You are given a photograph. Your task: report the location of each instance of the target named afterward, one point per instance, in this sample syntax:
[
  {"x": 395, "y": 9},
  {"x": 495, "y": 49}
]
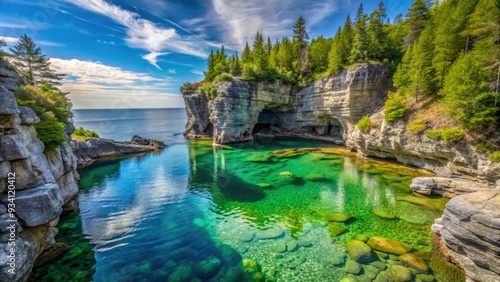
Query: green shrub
[
  {"x": 364, "y": 124},
  {"x": 52, "y": 107},
  {"x": 446, "y": 134},
  {"x": 416, "y": 126},
  {"x": 208, "y": 90},
  {"x": 394, "y": 107},
  {"x": 186, "y": 86},
  {"x": 51, "y": 133},
  {"x": 222, "y": 77},
  {"x": 81, "y": 132},
  {"x": 494, "y": 156}
]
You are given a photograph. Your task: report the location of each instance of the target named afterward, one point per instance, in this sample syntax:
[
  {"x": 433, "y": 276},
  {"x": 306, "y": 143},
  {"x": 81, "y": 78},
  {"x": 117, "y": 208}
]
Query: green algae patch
[
  {"x": 259, "y": 158},
  {"x": 288, "y": 174},
  {"x": 265, "y": 186},
  {"x": 316, "y": 177}
]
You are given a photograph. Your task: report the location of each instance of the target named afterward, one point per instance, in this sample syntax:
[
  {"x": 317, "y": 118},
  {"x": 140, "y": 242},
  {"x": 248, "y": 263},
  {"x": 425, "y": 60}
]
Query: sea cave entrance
[{"x": 268, "y": 119}]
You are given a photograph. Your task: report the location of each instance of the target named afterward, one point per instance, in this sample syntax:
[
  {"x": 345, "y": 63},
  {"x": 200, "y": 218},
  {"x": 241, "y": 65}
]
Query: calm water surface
[{"x": 197, "y": 213}]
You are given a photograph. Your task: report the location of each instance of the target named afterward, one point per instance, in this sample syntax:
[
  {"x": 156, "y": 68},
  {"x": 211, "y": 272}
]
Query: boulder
[
  {"x": 470, "y": 228},
  {"x": 337, "y": 217},
  {"x": 400, "y": 273},
  {"x": 13, "y": 147},
  {"x": 358, "y": 250},
  {"x": 8, "y": 104},
  {"x": 352, "y": 267},
  {"x": 389, "y": 246},
  {"x": 414, "y": 261},
  {"x": 28, "y": 116},
  {"x": 39, "y": 205},
  {"x": 447, "y": 187}
]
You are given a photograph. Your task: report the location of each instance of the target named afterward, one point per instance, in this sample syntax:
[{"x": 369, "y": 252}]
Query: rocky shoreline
[
  {"x": 92, "y": 149},
  {"x": 328, "y": 110}
]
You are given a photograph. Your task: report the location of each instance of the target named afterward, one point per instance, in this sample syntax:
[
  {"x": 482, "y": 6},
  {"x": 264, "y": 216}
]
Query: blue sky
[{"x": 136, "y": 54}]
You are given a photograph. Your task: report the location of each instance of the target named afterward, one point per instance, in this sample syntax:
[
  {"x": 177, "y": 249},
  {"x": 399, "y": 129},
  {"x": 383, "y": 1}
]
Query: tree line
[{"x": 449, "y": 50}]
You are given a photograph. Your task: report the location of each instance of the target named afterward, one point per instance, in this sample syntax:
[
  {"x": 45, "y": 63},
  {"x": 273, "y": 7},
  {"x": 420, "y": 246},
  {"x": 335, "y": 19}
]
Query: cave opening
[
  {"x": 268, "y": 119},
  {"x": 209, "y": 130}
]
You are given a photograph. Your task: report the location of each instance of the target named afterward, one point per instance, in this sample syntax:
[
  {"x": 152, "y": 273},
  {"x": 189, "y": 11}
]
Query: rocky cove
[
  {"x": 328, "y": 109},
  {"x": 46, "y": 185}
]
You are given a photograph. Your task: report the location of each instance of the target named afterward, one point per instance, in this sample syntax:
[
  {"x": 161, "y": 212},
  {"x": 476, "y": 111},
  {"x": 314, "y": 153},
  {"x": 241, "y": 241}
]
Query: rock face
[
  {"x": 447, "y": 187},
  {"x": 44, "y": 184},
  {"x": 470, "y": 228},
  {"x": 327, "y": 109},
  {"x": 392, "y": 140},
  {"x": 93, "y": 148}
]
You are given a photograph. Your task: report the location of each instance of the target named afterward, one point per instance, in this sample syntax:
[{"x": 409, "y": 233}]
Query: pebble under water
[{"x": 249, "y": 212}]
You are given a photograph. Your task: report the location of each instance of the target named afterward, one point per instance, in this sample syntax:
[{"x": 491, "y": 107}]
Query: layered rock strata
[
  {"x": 94, "y": 148},
  {"x": 470, "y": 228},
  {"x": 327, "y": 109},
  {"x": 41, "y": 186}
]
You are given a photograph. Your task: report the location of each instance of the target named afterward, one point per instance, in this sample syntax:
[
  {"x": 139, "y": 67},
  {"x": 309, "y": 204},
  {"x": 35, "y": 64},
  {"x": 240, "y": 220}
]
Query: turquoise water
[{"x": 195, "y": 212}]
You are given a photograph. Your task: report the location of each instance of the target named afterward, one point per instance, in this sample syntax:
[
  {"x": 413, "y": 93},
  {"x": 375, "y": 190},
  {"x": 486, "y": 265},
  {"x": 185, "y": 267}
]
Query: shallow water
[{"x": 193, "y": 212}]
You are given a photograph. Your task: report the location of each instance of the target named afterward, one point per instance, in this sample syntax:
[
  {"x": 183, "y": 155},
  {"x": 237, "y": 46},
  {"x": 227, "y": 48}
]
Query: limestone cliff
[
  {"x": 45, "y": 186},
  {"x": 326, "y": 110}
]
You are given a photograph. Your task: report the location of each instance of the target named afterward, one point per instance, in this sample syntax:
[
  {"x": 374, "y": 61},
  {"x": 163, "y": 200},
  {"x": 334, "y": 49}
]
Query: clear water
[{"x": 194, "y": 212}]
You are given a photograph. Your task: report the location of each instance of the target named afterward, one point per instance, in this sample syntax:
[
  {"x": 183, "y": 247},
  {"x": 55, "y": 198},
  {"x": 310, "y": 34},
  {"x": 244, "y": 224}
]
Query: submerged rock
[
  {"x": 400, "y": 273},
  {"x": 280, "y": 247},
  {"x": 272, "y": 233},
  {"x": 352, "y": 267},
  {"x": 389, "y": 246},
  {"x": 208, "y": 268},
  {"x": 337, "y": 217},
  {"x": 358, "y": 250},
  {"x": 383, "y": 214},
  {"x": 414, "y": 261},
  {"x": 336, "y": 229}
]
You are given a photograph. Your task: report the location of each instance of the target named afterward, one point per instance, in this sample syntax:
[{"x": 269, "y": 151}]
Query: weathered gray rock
[
  {"x": 93, "y": 148},
  {"x": 9, "y": 77},
  {"x": 13, "y": 147},
  {"x": 324, "y": 110},
  {"x": 392, "y": 140},
  {"x": 8, "y": 104},
  {"x": 447, "y": 187},
  {"x": 470, "y": 228},
  {"x": 28, "y": 116},
  {"x": 38, "y": 205}
]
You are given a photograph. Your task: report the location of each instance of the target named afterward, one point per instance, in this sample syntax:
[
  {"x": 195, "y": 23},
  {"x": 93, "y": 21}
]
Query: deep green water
[{"x": 193, "y": 212}]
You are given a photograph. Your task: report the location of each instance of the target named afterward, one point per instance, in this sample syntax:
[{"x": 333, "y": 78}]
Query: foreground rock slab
[{"x": 470, "y": 228}]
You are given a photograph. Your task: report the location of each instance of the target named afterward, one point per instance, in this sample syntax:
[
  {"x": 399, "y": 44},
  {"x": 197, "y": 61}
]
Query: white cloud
[
  {"x": 152, "y": 58},
  {"x": 144, "y": 34},
  {"x": 172, "y": 71},
  {"x": 238, "y": 21},
  {"x": 13, "y": 40},
  {"x": 96, "y": 85},
  {"x": 198, "y": 72}
]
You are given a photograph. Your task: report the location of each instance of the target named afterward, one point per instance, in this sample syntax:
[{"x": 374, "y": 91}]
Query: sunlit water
[{"x": 194, "y": 212}]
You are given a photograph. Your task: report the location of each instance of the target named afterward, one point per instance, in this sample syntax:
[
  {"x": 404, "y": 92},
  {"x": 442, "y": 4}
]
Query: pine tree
[
  {"x": 34, "y": 64},
  {"x": 402, "y": 77},
  {"x": 285, "y": 54},
  {"x": 335, "y": 57},
  {"x": 210, "y": 73},
  {"x": 345, "y": 41},
  {"x": 421, "y": 69},
  {"x": 246, "y": 56},
  {"x": 361, "y": 42},
  {"x": 376, "y": 32},
  {"x": 417, "y": 15},
  {"x": 318, "y": 54},
  {"x": 235, "y": 65},
  {"x": 260, "y": 56},
  {"x": 450, "y": 21},
  {"x": 300, "y": 38},
  {"x": 274, "y": 61}
]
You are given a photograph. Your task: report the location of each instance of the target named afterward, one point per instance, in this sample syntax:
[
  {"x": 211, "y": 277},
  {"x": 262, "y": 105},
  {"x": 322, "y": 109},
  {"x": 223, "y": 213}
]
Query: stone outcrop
[
  {"x": 392, "y": 140},
  {"x": 470, "y": 228},
  {"x": 45, "y": 185},
  {"x": 447, "y": 187},
  {"x": 326, "y": 110},
  {"x": 94, "y": 148}
]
